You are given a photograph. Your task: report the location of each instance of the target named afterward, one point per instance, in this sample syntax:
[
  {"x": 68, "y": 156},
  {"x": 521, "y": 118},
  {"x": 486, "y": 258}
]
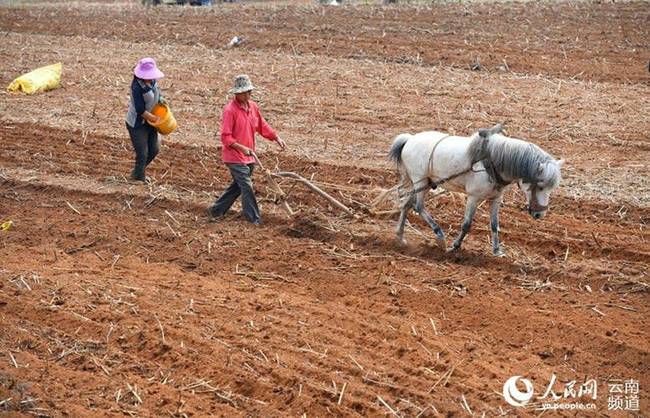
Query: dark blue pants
[
  {"x": 241, "y": 185},
  {"x": 146, "y": 146}
]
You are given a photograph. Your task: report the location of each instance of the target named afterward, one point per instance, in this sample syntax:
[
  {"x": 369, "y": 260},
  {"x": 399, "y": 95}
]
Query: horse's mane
[{"x": 514, "y": 158}]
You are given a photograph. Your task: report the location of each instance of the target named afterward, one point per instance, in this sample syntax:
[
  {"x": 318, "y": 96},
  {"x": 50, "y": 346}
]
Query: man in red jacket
[{"x": 240, "y": 120}]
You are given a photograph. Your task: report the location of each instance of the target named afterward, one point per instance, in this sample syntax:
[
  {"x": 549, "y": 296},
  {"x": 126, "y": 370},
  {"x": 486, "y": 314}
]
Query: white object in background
[{"x": 236, "y": 41}]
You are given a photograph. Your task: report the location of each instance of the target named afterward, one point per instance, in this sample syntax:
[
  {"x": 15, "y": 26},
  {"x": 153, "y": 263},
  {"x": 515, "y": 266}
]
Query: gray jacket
[{"x": 143, "y": 98}]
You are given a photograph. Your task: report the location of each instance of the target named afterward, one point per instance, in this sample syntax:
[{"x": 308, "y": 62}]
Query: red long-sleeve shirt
[{"x": 239, "y": 125}]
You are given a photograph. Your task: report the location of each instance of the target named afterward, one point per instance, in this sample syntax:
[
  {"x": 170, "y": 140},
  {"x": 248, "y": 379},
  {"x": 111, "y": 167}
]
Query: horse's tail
[{"x": 395, "y": 153}]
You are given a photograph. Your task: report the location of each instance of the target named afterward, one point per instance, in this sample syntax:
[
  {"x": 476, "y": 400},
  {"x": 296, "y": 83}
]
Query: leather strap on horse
[
  {"x": 435, "y": 184},
  {"x": 493, "y": 173},
  {"x": 487, "y": 163},
  {"x": 489, "y": 166}
]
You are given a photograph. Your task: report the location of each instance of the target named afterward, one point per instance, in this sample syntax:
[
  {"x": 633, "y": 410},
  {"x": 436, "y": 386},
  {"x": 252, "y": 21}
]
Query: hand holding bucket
[{"x": 166, "y": 123}]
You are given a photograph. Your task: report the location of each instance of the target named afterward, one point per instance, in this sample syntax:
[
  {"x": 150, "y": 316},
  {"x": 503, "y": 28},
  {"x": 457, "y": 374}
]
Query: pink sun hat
[{"x": 147, "y": 70}]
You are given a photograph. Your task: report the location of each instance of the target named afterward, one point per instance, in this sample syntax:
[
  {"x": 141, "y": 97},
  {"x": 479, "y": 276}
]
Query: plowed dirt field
[{"x": 120, "y": 298}]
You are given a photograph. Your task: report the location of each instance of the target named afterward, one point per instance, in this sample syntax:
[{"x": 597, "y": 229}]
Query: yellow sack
[{"x": 41, "y": 79}]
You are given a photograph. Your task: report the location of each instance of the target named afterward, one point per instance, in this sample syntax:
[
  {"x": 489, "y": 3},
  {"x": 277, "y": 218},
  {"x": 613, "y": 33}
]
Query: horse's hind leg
[
  {"x": 408, "y": 204},
  {"x": 470, "y": 210},
  {"x": 419, "y": 208}
]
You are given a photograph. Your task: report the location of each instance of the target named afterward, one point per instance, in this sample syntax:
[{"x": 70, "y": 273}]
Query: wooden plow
[
  {"x": 281, "y": 196},
  {"x": 372, "y": 209}
]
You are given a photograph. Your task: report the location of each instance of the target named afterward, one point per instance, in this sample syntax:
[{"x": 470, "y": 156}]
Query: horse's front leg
[
  {"x": 470, "y": 210},
  {"x": 494, "y": 226},
  {"x": 419, "y": 208}
]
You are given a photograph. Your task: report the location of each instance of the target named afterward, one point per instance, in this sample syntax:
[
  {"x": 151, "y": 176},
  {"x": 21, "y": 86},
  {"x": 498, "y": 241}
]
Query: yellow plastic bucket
[{"x": 167, "y": 122}]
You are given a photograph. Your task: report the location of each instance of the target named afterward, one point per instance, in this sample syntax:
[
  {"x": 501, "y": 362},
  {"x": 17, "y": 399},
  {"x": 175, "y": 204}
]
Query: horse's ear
[
  {"x": 496, "y": 129},
  {"x": 560, "y": 163},
  {"x": 483, "y": 132}
]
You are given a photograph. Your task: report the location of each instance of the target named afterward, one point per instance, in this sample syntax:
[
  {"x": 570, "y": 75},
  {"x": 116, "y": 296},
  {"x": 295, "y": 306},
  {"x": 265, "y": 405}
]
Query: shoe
[
  {"x": 258, "y": 222},
  {"x": 211, "y": 215},
  {"x": 137, "y": 178}
]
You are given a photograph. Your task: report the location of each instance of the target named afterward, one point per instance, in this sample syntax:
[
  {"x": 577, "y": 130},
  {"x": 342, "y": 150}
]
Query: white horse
[{"x": 481, "y": 166}]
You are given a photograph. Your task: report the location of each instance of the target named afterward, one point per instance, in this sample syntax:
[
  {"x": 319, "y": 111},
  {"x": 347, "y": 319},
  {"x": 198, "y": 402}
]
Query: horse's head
[{"x": 538, "y": 189}]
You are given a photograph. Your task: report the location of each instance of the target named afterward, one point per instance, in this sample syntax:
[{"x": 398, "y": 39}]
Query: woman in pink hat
[{"x": 144, "y": 96}]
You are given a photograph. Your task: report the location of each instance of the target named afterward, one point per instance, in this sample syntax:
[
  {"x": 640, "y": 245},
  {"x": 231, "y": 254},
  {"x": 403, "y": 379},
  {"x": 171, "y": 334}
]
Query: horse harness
[
  {"x": 533, "y": 205},
  {"x": 494, "y": 175}
]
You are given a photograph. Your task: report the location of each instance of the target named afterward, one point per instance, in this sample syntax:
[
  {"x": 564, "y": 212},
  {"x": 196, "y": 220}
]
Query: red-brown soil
[{"x": 119, "y": 298}]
